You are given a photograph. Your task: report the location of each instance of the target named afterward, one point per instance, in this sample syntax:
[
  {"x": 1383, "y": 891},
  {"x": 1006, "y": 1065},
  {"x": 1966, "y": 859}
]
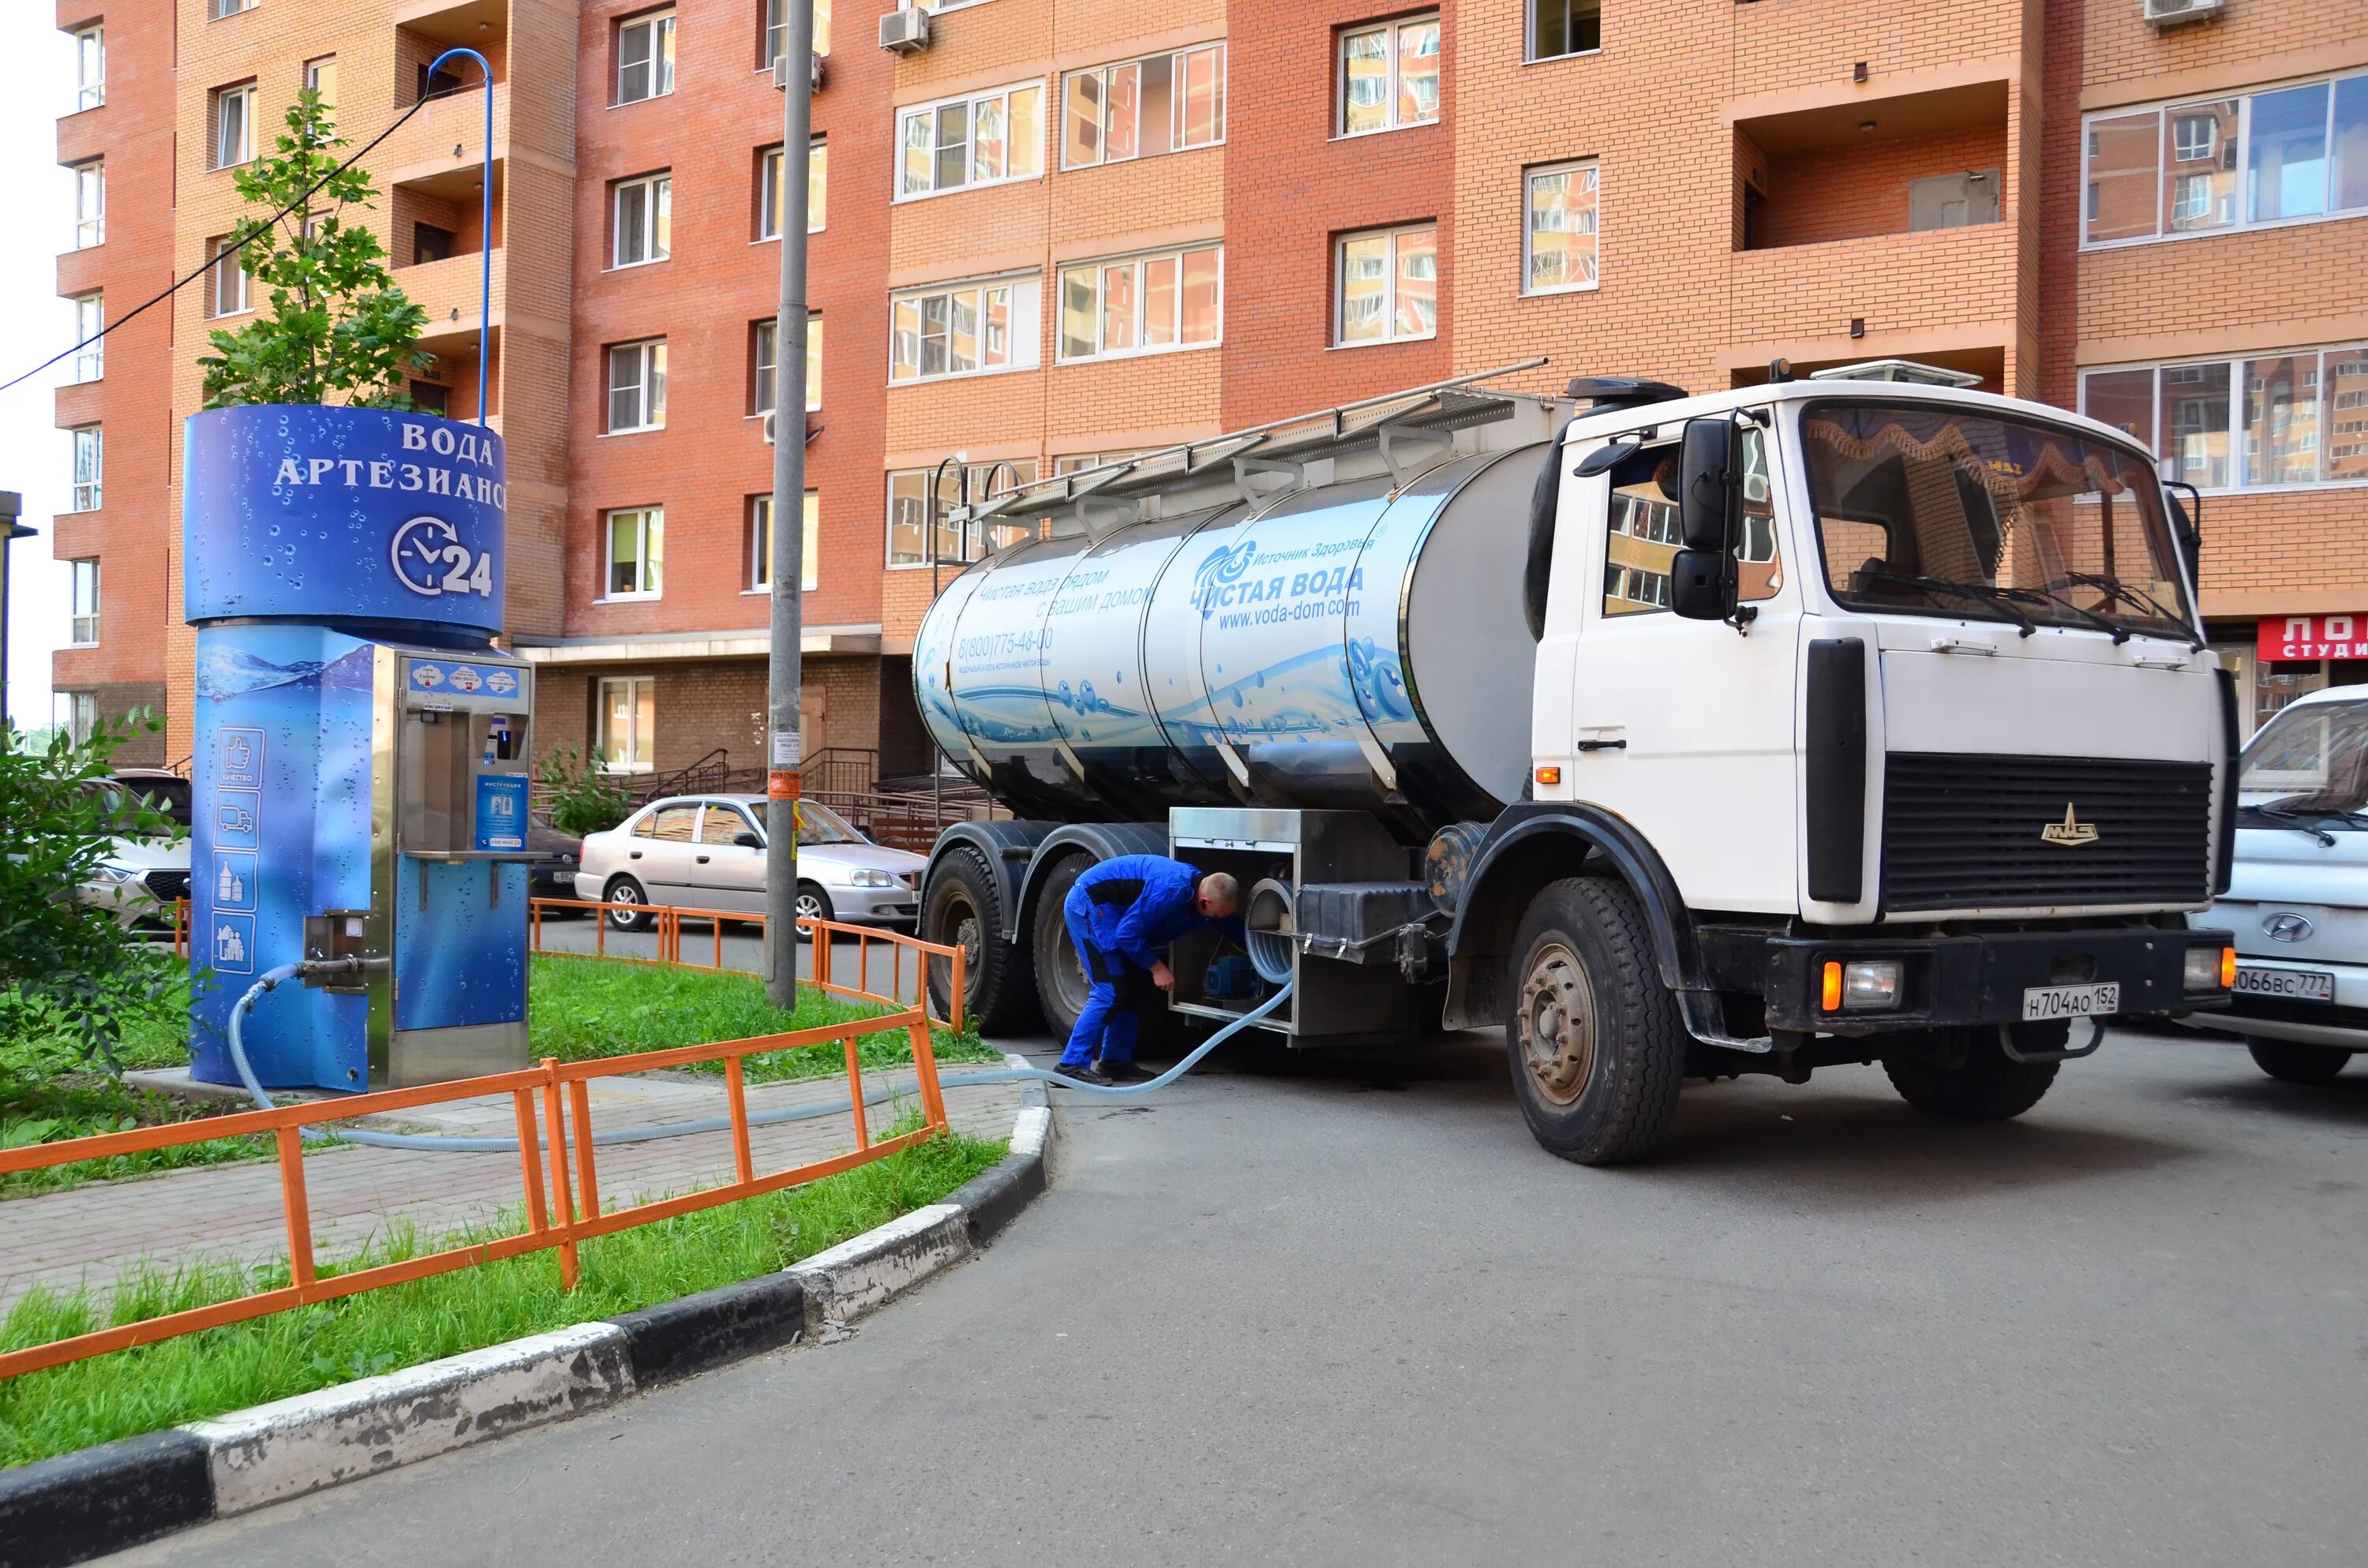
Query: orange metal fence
[{"x": 560, "y": 1215}]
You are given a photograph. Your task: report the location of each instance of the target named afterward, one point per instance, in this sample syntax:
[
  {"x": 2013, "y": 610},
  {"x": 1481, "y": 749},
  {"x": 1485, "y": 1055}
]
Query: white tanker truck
[{"x": 1853, "y": 719}]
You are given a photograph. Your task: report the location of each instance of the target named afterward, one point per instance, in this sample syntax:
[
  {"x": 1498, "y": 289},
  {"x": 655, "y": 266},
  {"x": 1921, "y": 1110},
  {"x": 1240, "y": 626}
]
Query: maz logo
[
  {"x": 430, "y": 559},
  {"x": 2071, "y": 832}
]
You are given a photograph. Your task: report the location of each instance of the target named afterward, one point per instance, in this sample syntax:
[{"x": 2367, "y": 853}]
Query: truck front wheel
[
  {"x": 1597, "y": 1047},
  {"x": 963, "y": 908},
  {"x": 1969, "y": 1078}
]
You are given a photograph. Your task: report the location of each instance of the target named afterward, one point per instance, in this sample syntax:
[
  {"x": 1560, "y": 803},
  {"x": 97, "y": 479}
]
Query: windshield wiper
[
  {"x": 2000, "y": 599},
  {"x": 2137, "y": 598},
  {"x": 2290, "y": 820}
]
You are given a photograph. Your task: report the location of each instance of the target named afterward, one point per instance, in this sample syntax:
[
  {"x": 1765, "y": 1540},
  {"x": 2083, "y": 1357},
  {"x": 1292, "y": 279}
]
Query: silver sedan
[{"x": 708, "y": 852}]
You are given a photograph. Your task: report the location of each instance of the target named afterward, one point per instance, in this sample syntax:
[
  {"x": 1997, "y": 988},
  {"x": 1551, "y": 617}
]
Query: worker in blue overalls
[{"x": 1119, "y": 914}]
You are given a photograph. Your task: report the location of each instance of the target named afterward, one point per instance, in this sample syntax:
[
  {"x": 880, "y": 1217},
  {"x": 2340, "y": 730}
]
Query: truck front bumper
[{"x": 1949, "y": 981}]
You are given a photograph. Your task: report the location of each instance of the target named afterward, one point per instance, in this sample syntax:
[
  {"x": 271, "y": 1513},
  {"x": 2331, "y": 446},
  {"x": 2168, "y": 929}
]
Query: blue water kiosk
[{"x": 362, "y": 753}]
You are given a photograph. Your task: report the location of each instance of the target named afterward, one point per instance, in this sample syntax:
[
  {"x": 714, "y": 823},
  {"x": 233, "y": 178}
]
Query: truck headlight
[
  {"x": 1862, "y": 985},
  {"x": 865, "y": 877},
  {"x": 2209, "y": 969}
]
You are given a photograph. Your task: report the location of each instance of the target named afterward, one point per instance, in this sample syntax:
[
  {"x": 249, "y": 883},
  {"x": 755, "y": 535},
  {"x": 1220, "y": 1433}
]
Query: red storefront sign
[{"x": 2313, "y": 637}]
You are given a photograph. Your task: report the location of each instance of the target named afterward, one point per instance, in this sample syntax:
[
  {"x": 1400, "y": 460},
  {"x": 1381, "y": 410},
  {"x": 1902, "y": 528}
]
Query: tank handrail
[{"x": 1062, "y": 487}]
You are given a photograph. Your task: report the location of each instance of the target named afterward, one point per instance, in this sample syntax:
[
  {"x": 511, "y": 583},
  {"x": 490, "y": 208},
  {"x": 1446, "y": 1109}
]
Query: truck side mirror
[
  {"x": 1710, "y": 485},
  {"x": 1702, "y": 585}
]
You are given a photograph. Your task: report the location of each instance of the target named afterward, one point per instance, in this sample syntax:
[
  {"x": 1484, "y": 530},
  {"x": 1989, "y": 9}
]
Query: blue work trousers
[{"x": 1112, "y": 1016}]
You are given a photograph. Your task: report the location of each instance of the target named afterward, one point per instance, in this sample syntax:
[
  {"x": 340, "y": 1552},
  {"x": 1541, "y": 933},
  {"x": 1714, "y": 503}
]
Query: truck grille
[{"x": 1965, "y": 831}]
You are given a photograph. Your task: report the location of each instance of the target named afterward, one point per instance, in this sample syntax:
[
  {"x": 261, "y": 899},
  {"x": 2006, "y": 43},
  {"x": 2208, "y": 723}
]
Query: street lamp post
[{"x": 786, "y": 550}]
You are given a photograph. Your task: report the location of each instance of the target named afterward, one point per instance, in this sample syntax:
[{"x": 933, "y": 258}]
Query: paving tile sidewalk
[{"x": 89, "y": 1234}]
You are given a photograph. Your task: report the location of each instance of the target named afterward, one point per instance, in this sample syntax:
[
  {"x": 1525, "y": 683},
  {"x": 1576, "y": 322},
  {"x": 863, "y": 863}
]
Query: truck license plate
[
  {"x": 2043, "y": 1002},
  {"x": 2291, "y": 985}
]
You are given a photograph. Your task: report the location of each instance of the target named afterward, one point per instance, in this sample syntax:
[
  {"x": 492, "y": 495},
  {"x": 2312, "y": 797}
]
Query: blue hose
[{"x": 273, "y": 977}]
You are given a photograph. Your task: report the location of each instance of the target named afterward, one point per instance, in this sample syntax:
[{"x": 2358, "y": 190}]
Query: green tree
[
  {"x": 584, "y": 799},
  {"x": 64, "y": 956},
  {"x": 335, "y": 327}
]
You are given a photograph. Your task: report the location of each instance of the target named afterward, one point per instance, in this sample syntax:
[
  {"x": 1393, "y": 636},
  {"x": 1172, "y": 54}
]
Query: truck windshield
[
  {"x": 1931, "y": 510},
  {"x": 2308, "y": 770}
]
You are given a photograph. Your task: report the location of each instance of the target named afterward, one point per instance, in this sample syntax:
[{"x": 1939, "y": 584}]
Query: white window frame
[
  {"x": 229, "y": 290},
  {"x": 657, "y": 207},
  {"x": 773, "y": 26},
  {"x": 90, "y": 353},
  {"x": 90, "y": 203},
  {"x": 90, "y": 66},
  {"x": 1176, "y": 142},
  {"x": 905, "y": 113},
  {"x": 634, "y": 686},
  {"x": 2242, "y": 483},
  {"x": 89, "y": 468},
  {"x": 766, "y": 335},
  {"x": 769, "y": 167},
  {"x": 2244, "y": 151},
  {"x": 1390, "y": 298},
  {"x": 1389, "y": 30},
  {"x": 83, "y": 626},
  {"x": 648, "y": 385},
  {"x": 1026, "y": 326},
  {"x": 648, "y": 565},
  {"x": 1529, "y": 176},
  {"x": 1530, "y": 36},
  {"x": 1141, "y": 262},
  {"x": 220, "y": 152},
  {"x": 759, "y": 542},
  {"x": 971, "y": 536},
  {"x": 223, "y": 10},
  {"x": 660, "y": 62}
]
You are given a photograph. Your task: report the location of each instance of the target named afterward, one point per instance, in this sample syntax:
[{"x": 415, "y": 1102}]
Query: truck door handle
[{"x": 1602, "y": 745}]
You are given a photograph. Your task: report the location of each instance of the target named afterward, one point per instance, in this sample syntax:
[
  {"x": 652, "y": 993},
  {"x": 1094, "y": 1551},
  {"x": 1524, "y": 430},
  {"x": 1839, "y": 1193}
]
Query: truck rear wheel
[
  {"x": 1061, "y": 983},
  {"x": 962, "y": 907},
  {"x": 1981, "y": 1083},
  {"x": 2297, "y": 1062},
  {"x": 1596, "y": 1044}
]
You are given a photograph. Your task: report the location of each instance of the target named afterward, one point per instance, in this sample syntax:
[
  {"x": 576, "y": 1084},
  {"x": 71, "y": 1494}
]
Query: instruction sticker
[{"x": 501, "y": 811}]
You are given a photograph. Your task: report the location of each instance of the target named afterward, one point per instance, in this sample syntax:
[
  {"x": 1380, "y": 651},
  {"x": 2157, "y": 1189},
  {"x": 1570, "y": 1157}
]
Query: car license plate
[
  {"x": 2044, "y": 1003},
  {"x": 2290, "y": 984}
]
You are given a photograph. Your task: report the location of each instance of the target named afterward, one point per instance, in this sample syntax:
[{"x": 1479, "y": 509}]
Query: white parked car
[
  {"x": 2298, "y": 902},
  {"x": 141, "y": 877},
  {"x": 708, "y": 852}
]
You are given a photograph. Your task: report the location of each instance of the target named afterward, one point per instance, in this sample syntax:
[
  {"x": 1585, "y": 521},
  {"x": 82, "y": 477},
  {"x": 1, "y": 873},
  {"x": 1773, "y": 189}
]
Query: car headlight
[
  {"x": 2209, "y": 969},
  {"x": 865, "y": 877},
  {"x": 113, "y": 875}
]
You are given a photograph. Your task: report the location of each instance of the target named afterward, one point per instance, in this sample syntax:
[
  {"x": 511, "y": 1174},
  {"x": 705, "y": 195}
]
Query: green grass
[{"x": 220, "y": 1369}]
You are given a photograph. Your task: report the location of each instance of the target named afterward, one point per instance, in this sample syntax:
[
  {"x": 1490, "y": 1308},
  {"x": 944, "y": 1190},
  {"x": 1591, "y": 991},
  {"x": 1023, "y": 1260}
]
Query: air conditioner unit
[
  {"x": 814, "y": 72},
  {"x": 768, "y": 426},
  {"x": 904, "y": 32},
  {"x": 2171, "y": 13}
]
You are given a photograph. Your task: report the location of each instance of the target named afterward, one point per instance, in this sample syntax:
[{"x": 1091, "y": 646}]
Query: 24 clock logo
[{"x": 430, "y": 559}]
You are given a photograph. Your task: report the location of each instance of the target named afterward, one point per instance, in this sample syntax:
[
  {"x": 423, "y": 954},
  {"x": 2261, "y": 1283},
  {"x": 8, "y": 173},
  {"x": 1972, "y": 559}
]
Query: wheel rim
[
  {"x": 1557, "y": 1025},
  {"x": 809, "y": 906},
  {"x": 626, "y": 898},
  {"x": 1069, "y": 977},
  {"x": 957, "y": 926}
]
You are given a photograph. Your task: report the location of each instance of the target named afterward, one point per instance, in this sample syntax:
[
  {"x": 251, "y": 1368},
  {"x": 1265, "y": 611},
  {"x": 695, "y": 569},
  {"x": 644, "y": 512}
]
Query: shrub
[{"x": 583, "y": 798}]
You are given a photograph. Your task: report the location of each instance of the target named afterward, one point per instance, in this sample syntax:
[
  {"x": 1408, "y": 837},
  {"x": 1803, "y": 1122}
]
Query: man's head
[{"x": 1217, "y": 896}]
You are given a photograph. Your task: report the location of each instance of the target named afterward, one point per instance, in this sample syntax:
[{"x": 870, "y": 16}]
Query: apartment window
[
  {"x": 963, "y": 329},
  {"x": 82, "y": 714},
  {"x": 909, "y": 512},
  {"x": 1389, "y": 75},
  {"x": 773, "y": 193},
  {"x": 90, "y": 203},
  {"x": 90, "y": 68},
  {"x": 84, "y": 630},
  {"x": 89, "y": 458},
  {"x": 775, "y": 32},
  {"x": 430, "y": 243},
  {"x": 233, "y": 117},
  {"x": 1387, "y": 284},
  {"x": 764, "y": 353},
  {"x": 429, "y": 398},
  {"x": 636, "y": 553},
  {"x": 1565, "y": 27},
  {"x": 2270, "y": 157},
  {"x": 628, "y": 723},
  {"x": 643, "y": 223},
  {"x": 1558, "y": 240},
  {"x": 637, "y": 386},
  {"x": 217, "y": 9},
  {"x": 1078, "y": 462},
  {"x": 321, "y": 78},
  {"x": 760, "y": 544},
  {"x": 645, "y": 57},
  {"x": 90, "y": 320},
  {"x": 1144, "y": 304},
  {"x": 1164, "y": 104},
  {"x": 2299, "y": 418},
  {"x": 227, "y": 284},
  {"x": 983, "y": 139}
]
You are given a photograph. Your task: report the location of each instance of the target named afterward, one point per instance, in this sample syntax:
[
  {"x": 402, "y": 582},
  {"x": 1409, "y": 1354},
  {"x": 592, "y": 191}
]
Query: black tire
[
  {"x": 1985, "y": 1085},
  {"x": 622, "y": 892},
  {"x": 2293, "y": 1062},
  {"x": 1061, "y": 983},
  {"x": 813, "y": 903},
  {"x": 1595, "y": 1042},
  {"x": 961, "y": 906}
]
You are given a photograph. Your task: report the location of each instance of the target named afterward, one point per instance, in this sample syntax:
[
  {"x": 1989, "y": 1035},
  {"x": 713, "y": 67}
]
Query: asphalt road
[{"x": 1347, "y": 1313}]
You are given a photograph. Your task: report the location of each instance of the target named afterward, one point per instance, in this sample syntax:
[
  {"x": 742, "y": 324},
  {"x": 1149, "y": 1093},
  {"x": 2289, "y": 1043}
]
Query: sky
[{"x": 35, "y": 458}]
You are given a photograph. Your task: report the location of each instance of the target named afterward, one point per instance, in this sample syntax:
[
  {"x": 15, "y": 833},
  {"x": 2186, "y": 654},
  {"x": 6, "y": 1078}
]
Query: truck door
[{"x": 1685, "y": 728}]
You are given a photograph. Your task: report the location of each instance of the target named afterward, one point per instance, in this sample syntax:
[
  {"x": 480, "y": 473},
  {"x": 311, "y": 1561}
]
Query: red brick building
[{"x": 1070, "y": 228}]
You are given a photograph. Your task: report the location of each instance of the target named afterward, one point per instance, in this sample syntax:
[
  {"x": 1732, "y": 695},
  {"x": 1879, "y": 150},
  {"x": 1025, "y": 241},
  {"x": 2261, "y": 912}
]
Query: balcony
[
  {"x": 1924, "y": 296},
  {"x": 472, "y": 24},
  {"x": 1877, "y": 165}
]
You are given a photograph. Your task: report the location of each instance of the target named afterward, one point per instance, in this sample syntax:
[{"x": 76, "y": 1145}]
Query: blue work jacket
[{"x": 1138, "y": 903}]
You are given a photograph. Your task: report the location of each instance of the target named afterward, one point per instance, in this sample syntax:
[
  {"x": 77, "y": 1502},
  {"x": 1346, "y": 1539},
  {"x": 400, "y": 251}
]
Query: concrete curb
[{"x": 103, "y": 1499}]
